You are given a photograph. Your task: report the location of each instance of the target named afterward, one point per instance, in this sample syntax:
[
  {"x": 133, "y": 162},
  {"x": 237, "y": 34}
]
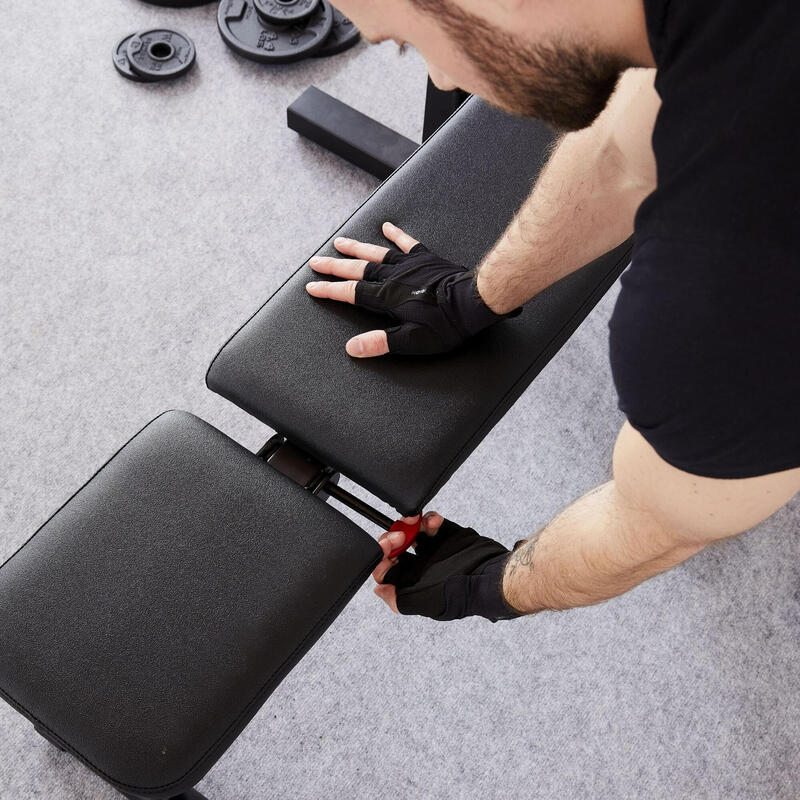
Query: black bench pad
[
  {"x": 401, "y": 426},
  {"x": 146, "y": 622}
]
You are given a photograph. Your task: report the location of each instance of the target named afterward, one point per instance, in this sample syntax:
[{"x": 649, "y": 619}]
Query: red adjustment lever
[{"x": 410, "y": 529}]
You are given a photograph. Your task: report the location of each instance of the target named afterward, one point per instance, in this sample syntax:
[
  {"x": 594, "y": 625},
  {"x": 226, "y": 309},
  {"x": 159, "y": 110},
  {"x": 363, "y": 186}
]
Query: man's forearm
[
  {"x": 573, "y": 216},
  {"x": 584, "y": 201},
  {"x": 589, "y": 553}
]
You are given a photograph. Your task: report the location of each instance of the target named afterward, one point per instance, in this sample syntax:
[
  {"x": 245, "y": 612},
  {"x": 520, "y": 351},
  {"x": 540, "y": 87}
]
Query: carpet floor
[{"x": 139, "y": 226}]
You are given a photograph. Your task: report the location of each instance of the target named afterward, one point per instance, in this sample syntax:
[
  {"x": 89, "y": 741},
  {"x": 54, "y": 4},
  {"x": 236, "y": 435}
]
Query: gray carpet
[{"x": 139, "y": 226}]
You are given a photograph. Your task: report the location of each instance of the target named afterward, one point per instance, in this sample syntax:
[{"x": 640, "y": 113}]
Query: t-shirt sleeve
[{"x": 705, "y": 355}]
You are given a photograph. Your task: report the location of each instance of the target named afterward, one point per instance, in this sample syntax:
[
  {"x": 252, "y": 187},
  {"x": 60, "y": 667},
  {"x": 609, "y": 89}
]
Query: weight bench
[{"x": 146, "y": 622}]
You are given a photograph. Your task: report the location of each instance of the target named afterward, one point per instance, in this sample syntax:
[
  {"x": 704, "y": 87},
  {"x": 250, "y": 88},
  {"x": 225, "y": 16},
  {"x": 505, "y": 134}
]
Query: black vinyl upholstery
[
  {"x": 144, "y": 624},
  {"x": 400, "y": 426}
]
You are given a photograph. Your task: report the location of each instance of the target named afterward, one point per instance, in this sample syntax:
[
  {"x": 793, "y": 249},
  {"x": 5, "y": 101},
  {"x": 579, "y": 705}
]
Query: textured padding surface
[
  {"x": 146, "y": 622},
  {"x": 400, "y": 426}
]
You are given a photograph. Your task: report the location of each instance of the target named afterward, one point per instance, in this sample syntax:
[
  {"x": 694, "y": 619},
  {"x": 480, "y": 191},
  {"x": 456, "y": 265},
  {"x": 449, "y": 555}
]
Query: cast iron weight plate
[
  {"x": 285, "y": 12},
  {"x": 250, "y": 36},
  {"x": 160, "y": 54},
  {"x": 120, "y": 57},
  {"x": 342, "y": 37}
]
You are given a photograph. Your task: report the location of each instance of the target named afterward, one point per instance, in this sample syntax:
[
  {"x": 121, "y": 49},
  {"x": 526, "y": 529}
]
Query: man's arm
[
  {"x": 584, "y": 201},
  {"x": 582, "y": 206},
  {"x": 649, "y": 518}
]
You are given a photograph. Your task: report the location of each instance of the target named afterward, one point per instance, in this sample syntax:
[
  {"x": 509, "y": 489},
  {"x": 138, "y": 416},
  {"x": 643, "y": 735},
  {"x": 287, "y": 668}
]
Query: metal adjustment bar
[
  {"x": 351, "y": 501},
  {"x": 314, "y": 476},
  {"x": 298, "y": 465}
]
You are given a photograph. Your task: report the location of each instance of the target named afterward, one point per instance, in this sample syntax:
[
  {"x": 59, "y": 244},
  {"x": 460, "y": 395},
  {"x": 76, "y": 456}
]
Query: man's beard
[
  {"x": 566, "y": 86},
  {"x": 563, "y": 83}
]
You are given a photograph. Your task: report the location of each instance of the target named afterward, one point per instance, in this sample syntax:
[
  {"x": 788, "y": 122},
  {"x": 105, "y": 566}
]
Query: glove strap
[
  {"x": 461, "y": 302},
  {"x": 486, "y": 592}
]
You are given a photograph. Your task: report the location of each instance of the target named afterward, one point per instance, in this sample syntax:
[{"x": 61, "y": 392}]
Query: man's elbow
[{"x": 692, "y": 511}]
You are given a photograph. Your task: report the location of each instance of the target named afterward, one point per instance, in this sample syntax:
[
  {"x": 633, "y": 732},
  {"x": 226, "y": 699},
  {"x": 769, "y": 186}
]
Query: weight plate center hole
[{"x": 161, "y": 51}]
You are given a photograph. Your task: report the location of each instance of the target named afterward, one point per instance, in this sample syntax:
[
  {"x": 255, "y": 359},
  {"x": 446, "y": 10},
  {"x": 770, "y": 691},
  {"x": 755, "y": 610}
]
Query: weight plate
[
  {"x": 244, "y": 31},
  {"x": 160, "y": 54},
  {"x": 285, "y": 12},
  {"x": 342, "y": 37},
  {"x": 120, "y": 57}
]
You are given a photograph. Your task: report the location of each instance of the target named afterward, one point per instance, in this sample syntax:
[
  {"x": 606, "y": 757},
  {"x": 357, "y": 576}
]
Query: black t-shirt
[{"x": 705, "y": 336}]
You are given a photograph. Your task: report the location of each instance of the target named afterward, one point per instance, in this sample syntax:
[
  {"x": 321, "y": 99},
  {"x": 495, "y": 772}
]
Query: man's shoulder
[{"x": 725, "y": 139}]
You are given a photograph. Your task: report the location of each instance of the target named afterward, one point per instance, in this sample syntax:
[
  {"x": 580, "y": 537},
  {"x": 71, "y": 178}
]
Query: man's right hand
[
  {"x": 454, "y": 573},
  {"x": 435, "y": 302}
]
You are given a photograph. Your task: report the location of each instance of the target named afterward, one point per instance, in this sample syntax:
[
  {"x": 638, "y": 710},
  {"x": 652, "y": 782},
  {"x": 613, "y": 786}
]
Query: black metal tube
[
  {"x": 439, "y": 105},
  {"x": 351, "y": 501},
  {"x": 192, "y": 794}
]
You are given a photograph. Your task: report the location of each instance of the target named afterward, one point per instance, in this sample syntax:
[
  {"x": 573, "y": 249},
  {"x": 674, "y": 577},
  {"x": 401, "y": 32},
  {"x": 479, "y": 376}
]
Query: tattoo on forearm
[
  {"x": 522, "y": 558},
  {"x": 519, "y": 565},
  {"x": 519, "y": 561}
]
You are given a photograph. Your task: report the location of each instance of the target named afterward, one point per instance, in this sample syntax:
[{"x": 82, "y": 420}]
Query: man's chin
[
  {"x": 562, "y": 119},
  {"x": 559, "y": 124}
]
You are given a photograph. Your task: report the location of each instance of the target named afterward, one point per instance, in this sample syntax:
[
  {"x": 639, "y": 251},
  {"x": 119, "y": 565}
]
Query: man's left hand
[{"x": 434, "y": 303}]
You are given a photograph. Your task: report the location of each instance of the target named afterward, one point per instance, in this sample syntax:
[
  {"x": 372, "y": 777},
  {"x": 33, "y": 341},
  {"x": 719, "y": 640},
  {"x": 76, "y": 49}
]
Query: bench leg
[
  {"x": 439, "y": 105},
  {"x": 348, "y": 133},
  {"x": 192, "y": 794}
]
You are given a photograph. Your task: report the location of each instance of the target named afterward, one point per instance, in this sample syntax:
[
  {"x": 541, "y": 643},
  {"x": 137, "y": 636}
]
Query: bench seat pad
[
  {"x": 401, "y": 426},
  {"x": 144, "y": 624}
]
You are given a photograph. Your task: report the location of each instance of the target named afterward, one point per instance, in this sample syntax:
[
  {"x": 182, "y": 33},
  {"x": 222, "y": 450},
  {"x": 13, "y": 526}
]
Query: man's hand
[
  {"x": 435, "y": 302},
  {"x": 455, "y": 573}
]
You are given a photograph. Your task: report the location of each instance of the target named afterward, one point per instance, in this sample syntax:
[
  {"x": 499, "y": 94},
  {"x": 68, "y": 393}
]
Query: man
[{"x": 683, "y": 127}]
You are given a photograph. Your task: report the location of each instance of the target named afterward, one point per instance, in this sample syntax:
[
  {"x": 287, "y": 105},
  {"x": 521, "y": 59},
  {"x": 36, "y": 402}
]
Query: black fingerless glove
[
  {"x": 435, "y": 301},
  {"x": 454, "y": 574}
]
